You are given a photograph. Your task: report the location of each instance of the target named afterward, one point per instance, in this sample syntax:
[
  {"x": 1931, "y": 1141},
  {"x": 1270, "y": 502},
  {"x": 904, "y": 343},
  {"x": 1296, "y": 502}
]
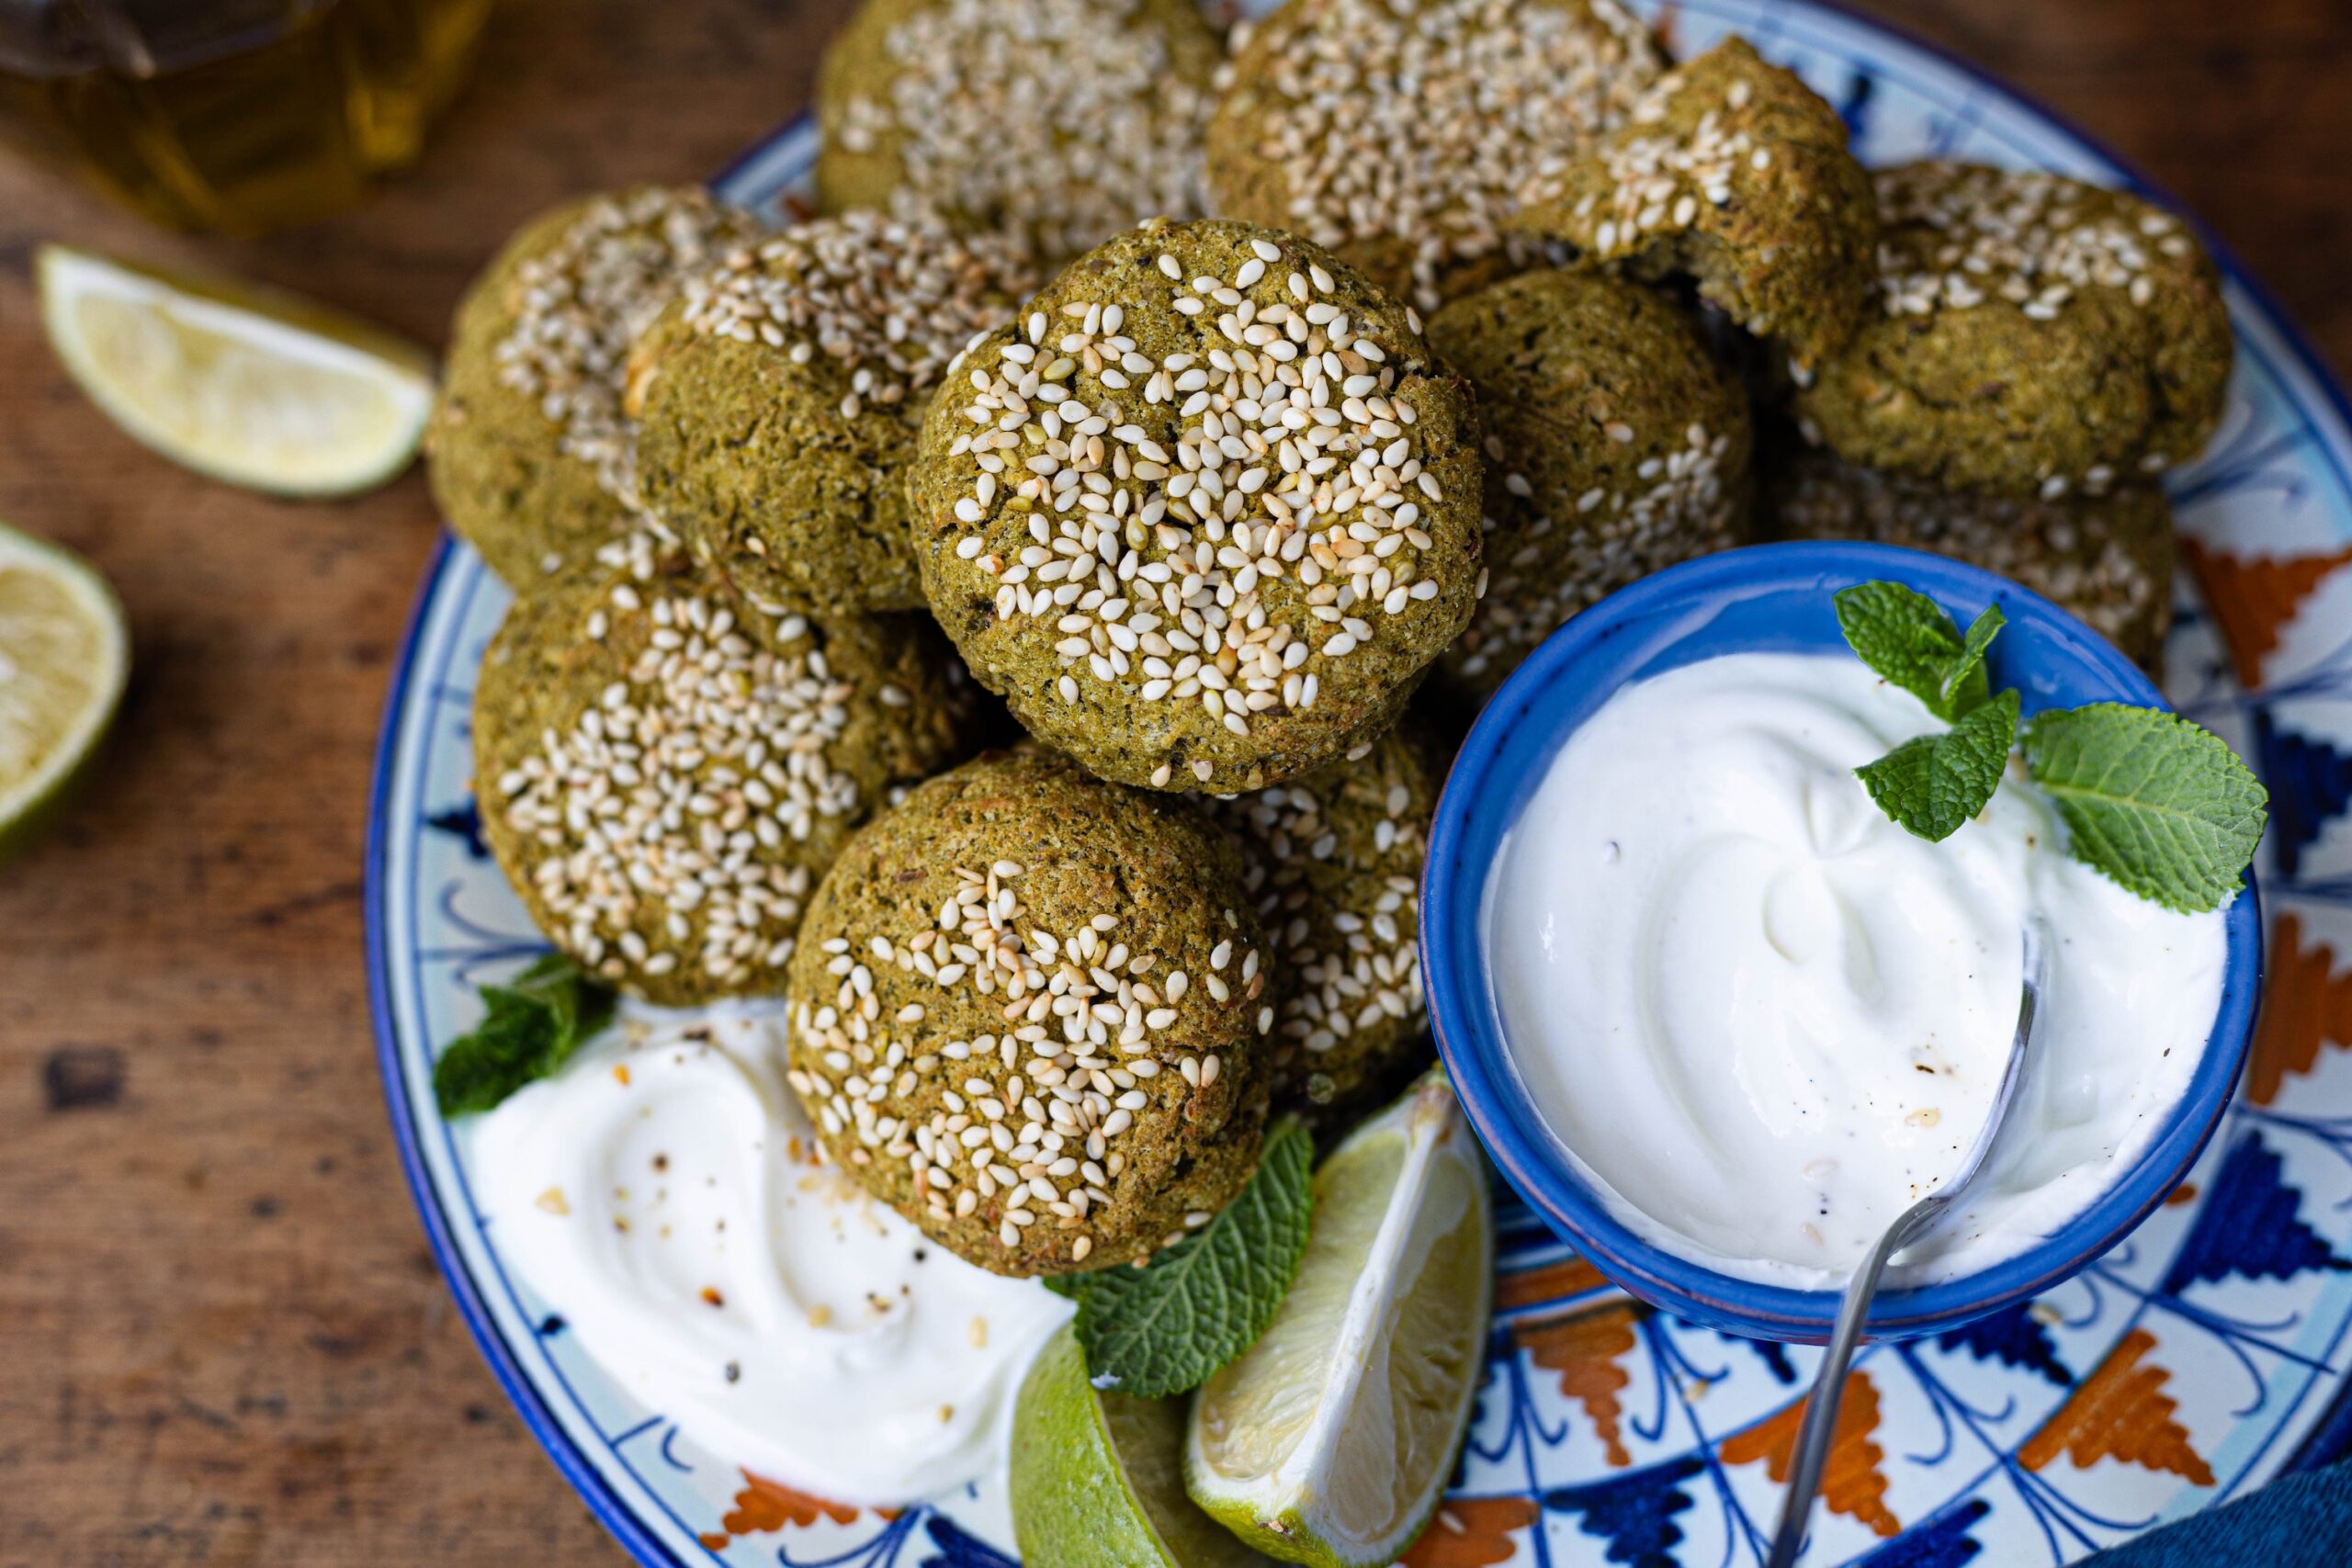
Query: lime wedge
[
  {"x": 64, "y": 654},
  {"x": 255, "y": 388},
  {"x": 1330, "y": 1440},
  {"x": 1098, "y": 1479}
]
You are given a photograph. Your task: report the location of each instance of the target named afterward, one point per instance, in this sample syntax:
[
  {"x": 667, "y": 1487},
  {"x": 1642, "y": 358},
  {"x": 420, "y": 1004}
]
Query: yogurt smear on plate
[
  {"x": 1768, "y": 1019},
  {"x": 664, "y": 1194}
]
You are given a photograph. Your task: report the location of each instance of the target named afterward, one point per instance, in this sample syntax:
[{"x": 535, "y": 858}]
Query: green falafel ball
[
  {"x": 1028, "y": 1012},
  {"x": 665, "y": 766},
  {"x": 529, "y": 453},
  {"x": 1616, "y": 444},
  {"x": 1736, "y": 173},
  {"x": 780, "y": 396},
  {"x": 1062, "y": 120},
  {"x": 1207, "y": 514},
  {"x": 2108, "y": 558},
  {"x": 2033, "y": 336},
  {"x": 1334, "y": 864},
  {"x": 1400, "y": 134}
]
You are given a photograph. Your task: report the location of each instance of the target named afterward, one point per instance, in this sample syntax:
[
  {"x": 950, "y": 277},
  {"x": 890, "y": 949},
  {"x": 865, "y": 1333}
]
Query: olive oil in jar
[{"x": 238, "y": 115}]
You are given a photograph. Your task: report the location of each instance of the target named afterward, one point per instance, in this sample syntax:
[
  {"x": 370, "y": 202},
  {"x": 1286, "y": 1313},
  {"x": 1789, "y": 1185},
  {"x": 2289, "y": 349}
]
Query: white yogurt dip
[
  {"x": 1768, "y": 1019},
  {"x": 663, "y": 1193}
]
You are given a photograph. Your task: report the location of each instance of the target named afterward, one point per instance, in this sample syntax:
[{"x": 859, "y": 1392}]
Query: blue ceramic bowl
[{"x": 1769, "y": 598}]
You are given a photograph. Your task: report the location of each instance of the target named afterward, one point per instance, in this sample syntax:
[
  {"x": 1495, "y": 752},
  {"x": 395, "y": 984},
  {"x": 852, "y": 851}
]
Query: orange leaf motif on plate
[
  {"x": 2120, "y": 1412},
  {"x": 2305, "y": 1005},
  {"x": 1851, "y": 1484},
  {"x": 2253, "y": 597},
  {"x": 1584, "y": 1350},
  {"x": 763, "y": 1506},
  {"x": 1472, "y": 1532}
]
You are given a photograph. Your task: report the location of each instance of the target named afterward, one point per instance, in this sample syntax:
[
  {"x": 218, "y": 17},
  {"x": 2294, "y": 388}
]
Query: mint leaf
[
  {"x": 1163, "y": 1329},
  {"x": 1908, "y": 638},
  {"x": 532, "y": 1028},
  {"x": 1967, "y": 686},
  {"x": 2156, "y": 803},
  {"x": 1933, "y": 784}
]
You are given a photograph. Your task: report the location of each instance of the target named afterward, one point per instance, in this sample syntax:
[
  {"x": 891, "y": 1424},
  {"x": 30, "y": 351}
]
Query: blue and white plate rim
[{"x": 772, "y": 161}]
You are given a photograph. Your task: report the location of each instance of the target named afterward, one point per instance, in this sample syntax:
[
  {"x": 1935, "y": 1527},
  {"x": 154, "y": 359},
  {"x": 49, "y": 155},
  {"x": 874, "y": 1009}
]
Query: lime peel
[
  {"x": 247, "y": 386},
  {"x": 1296, "y": 1447},
  {"x": 1097, "y": 1478},
  {"x": 65, "y": 660}
]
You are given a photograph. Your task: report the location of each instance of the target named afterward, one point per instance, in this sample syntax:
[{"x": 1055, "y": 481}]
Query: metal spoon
[{"x": 1829, "y": 1383}]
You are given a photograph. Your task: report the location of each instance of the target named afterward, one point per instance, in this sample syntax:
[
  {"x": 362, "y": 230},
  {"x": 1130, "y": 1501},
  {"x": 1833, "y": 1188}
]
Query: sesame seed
[
  {"x": 2085, "y": 556},
  {"x": 1423, "y": 123},
  {"x": 1029, "y": 1100},
  {"x": 674, "y": 805},
  {"x": 1157, "y": 501},
  {"x": 1554, "y": 557},
  {"x": 589, "y": 296},
  {"x": 1959, "y": 236},
  {"x": 1065, "y": 121}
]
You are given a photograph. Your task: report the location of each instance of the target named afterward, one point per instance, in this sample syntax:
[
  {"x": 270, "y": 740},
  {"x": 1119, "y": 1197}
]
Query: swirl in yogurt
[
  {"x": 1768, "y": 1019},
  {"x": 664, "y": 1193}
]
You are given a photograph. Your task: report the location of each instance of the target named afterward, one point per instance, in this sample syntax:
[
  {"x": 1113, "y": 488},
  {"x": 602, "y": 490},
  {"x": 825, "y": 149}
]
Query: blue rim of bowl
[
  {"x": 2329, "y": 1438},
  {"x": 1470, "y": 1034}
]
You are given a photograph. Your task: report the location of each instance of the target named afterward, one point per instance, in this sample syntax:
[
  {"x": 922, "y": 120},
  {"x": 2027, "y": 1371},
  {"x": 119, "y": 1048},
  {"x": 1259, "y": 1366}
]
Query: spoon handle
[{"x": 1829, "y": 1383}]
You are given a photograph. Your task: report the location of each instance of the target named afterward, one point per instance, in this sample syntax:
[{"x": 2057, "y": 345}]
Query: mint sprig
[
  {"x": 1933, "y": 784},
  {"x": 532, "y": 1028},
  {"x": 2156, "y": 803},
  {"x": 1908, "y": 638},
  {"x": 2159, "y": 805},
  {"x": 1165, "y": 1327}
]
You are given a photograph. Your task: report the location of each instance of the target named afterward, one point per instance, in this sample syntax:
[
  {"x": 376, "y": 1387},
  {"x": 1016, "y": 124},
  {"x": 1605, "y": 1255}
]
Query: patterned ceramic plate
[{"x": 2202, "y": 1357}]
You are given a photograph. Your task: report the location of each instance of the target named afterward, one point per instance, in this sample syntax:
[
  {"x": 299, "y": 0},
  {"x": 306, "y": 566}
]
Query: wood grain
[{"x": 225, "y": 1343}]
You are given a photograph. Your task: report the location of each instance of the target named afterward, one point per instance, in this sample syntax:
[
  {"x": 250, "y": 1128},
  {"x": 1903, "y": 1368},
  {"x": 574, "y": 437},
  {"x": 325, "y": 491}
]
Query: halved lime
[
  {"x": 65, "y": 655},
  {"x": 256, "y": 388},
  {"x": 1330, "y": 1440},
  {"x": 1098, "y": 1479}
]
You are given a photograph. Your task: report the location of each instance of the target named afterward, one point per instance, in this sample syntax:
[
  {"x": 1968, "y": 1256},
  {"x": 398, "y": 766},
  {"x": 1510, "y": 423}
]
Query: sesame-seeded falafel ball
[
  {"x": 665, "y": 767},
  {"x": 1207, "y": 514},
  {"x": 1029, "y": 1012},
  {"x": 1062, "y": 120},
  {"x": 2108, "y": 558},
  {"x": 1616, "y": 444},
  {"x": 781, "y": 395},
  {"x": 2029, "y": 334},
  {"x": 1399, "y": 136},
  {"x": 1736, "y": 173},
  {"x": 529, "y": 455},
  {"x": 1334, "y": 864}
]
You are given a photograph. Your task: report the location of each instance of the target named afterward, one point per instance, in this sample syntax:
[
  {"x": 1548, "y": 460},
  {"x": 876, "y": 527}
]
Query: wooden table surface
[{"x": 223, "y": 1340}]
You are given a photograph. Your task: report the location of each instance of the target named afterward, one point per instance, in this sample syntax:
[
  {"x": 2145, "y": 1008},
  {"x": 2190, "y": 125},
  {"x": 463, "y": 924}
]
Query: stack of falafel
[{"x": 1499, "y": 306}]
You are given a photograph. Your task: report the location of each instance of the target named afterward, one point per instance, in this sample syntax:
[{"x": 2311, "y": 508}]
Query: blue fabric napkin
[{"x": 2304, "y": 1521}]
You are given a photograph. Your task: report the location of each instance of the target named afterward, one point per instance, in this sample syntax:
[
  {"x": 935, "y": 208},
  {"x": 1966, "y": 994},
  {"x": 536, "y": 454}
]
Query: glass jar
[{"x": 238, "y": 116}]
